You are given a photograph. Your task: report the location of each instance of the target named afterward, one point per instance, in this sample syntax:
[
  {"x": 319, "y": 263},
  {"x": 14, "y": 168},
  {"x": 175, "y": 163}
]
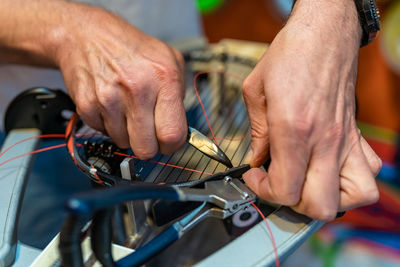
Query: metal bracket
[{"x": 136, "y": 209}]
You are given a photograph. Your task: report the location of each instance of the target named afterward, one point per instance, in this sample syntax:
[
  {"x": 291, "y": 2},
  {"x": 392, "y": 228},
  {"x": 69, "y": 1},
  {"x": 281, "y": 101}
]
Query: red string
[
  {"x": 61, "y": 145},
  {"x": 201, "y": 103},
  {"x": 277, "y": 264},
  {"x": 30, "y": 138},
  {"x": 202, "y": 106},
  {"x": 162, "y": 163},
  {"x": 32, "y": 152},
  {"x": 153, "y": 161}
]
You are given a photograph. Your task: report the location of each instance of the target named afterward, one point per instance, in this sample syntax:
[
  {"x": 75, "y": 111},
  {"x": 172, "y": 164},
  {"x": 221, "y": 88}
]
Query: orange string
[
  {"x": 153, "y": 161},
  {"x": 162, "y": 163},
  {"x": 30, "y": 138},
  {"x": 33, "y": 152},
  {"x": 201, "y": 104},
  {"x": 277, "y": 264},
  {"x": 213, "y": 137},
  {"x": 61, "y": 145}
]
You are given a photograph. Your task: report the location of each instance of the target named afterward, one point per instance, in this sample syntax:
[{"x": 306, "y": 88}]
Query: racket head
[{"x": 220, "y": 93}]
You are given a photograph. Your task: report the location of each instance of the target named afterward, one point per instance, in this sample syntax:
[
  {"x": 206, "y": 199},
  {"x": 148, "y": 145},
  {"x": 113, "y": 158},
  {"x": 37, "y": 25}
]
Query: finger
[
  {"x": 320, "y": 194},
  {"x": 179, "y": 60},
  {"x": 373, "y": 160},
  {"x": 170, "y": 118},
  {"x": 281, "y": 184},
  {"x": 290, "y": 155},
  {"x": 254, "y": 97},
  {"x": 257, "y": 180},
  {"x": 357, "y": 181},
  {"x": 81, "y": 87},
  {"x": 139, "y": 111},
  {"x": 358, "y": 184},
  {"x": 109, "y": 96}
]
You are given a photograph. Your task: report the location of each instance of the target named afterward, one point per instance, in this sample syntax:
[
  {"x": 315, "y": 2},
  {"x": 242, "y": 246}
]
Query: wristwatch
[{"x": 369, "y": 17}]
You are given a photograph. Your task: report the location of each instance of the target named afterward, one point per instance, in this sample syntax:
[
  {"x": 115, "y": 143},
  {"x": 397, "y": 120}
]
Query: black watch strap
[{"x": 369, "y": 16}]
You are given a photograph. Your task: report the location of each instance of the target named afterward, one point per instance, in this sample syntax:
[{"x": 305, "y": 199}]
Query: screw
[{"x": 228, "y": 179}]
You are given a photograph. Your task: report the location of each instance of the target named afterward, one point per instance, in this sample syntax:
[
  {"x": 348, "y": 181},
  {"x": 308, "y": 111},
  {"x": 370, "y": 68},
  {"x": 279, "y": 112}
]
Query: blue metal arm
[{"x": 86, "y": 203}]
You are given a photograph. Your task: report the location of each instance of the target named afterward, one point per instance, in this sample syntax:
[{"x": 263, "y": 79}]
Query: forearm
[{"x": 32, "y": 31}]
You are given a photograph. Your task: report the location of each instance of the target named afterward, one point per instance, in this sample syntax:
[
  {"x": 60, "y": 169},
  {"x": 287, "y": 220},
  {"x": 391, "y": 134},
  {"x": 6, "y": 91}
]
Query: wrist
[{"x": 336, "y": 22}]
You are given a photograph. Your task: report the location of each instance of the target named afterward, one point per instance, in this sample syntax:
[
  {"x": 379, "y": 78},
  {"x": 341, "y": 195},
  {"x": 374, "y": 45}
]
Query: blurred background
[{"x": 368, "y": 236}]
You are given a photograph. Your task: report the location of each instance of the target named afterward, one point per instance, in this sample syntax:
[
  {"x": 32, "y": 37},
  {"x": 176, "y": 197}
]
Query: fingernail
[{"x": 248, "y": 158}]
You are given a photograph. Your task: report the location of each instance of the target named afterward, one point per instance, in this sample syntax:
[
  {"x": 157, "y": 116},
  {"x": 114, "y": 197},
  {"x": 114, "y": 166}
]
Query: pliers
[
  {"x": 207, "y": 147},
  {"x": 220, "y": 196}
]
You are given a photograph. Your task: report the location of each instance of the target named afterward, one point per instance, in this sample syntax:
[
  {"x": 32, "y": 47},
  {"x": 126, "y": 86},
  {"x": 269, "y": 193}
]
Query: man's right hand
[{"x": 123, "y": 82}]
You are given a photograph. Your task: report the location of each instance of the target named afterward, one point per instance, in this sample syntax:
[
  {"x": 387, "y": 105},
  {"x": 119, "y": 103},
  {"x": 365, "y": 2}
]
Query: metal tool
[
  {"x": 207, "y": 147},
  {"x": 33, "y": 112},
  {"x": 221, "y": 197}
]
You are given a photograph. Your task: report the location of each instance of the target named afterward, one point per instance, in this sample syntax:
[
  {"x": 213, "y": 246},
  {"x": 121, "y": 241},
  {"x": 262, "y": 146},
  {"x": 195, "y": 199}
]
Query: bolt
[{"x": 228, "y": 179}]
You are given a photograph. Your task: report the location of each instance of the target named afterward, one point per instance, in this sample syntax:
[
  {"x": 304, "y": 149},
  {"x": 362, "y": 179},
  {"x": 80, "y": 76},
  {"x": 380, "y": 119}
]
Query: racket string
[{"x": 243, "y": 142}]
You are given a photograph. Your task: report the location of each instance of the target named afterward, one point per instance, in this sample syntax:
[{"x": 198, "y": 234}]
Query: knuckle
[
  {"x": 318, "y": 209},
  {"x": 140, "y": 95},
  {"x": 120, "y": 137},
  {"x": 84, "y": 108},
  {"x": 107, "y": 98},
  {"x": 138, "y": 88},
  {"x": 302, "y": 128},
  {"x": 259, "y": 136},
  {"x": 171, "y": 136},
  {"x": 293, "y": 124},
  {"x": 134, "y": 84},
  {"x": 91, "y": 117},
  {"x": 370, "y": 196},
  {"x": 168, "y": 74},
  {"x": 373, "y": 196},
  {"x": 179, "y": 56},
  {"x": 144, "y": 153},
  {"x": 246, "y": 88},
  {"x": 121, "y": 143},
  {"x": 376, "y": 165},
  {"x": 323, "y": 214},
  {"x": 287, "y": 198}
]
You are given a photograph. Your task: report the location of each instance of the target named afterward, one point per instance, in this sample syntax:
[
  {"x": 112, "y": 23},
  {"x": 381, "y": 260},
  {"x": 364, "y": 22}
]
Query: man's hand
[
  {"x": 123, "y": 82},
  {"x": 301, "y": 104}
]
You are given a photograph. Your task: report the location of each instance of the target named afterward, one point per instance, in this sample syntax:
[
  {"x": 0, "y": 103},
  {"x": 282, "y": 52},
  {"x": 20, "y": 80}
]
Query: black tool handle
[{"x": 101, "y": 236}]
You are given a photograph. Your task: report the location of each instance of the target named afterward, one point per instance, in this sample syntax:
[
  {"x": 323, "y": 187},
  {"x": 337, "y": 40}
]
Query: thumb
[{"x": 254, "y": 97}]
